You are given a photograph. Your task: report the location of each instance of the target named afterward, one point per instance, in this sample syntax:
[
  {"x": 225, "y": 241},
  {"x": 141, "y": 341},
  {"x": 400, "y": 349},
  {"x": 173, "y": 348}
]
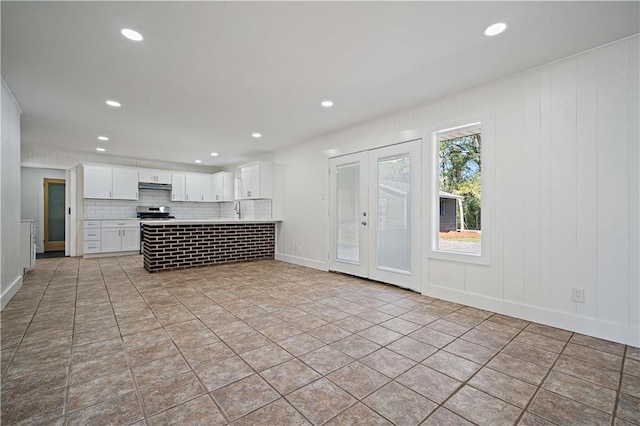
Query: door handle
[{"x": 364, "y": 222}]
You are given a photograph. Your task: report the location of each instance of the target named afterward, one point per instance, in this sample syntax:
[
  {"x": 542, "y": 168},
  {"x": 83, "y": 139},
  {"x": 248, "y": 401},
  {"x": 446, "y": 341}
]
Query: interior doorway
[
  {"x": 54, "y": 215},
  {"x": 375, "y": 214}
]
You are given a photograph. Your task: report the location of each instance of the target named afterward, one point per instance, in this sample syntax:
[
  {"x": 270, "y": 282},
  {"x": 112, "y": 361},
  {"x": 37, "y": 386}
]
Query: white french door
[{"x": 375, "y": 214}]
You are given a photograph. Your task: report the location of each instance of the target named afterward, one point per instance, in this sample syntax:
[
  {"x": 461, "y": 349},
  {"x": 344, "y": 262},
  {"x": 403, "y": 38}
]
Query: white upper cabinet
[
  {"x": 206, "y": 187},
  {"x": 125, "y": 184},
  {"x": 154, "y": 176},
  {"x": 198, "y": 187},
  {"x": 117, "y": 183},
  {"x": 223, "y": 186},
  {"x": 178, "y": 187},
  {"x": 193, "y": 190},
  {"x": 257, "y": 180},
  {"x": 97, "y": 181},
  {"x": 190, "y": 187}
]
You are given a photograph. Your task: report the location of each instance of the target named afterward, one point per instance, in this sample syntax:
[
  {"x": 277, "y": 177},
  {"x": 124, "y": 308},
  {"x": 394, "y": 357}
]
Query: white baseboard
[
  {"x": 10, "y": 292},
  {"x": 616, "y": 332},
  {"x": 302, "y": 261}
]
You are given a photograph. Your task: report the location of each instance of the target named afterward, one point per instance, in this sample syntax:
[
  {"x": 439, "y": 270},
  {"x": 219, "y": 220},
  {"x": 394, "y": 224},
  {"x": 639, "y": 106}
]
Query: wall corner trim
[{"x": 10, "y": 94}]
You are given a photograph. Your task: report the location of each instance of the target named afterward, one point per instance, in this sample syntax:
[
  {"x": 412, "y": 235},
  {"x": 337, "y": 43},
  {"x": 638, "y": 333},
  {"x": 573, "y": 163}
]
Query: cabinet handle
[
  {"x": 217, "y": 197},
  {"x": 173, "y": 196},
  {"x": 187, "y": 196},
  {"x": 136, "y": 194},
  {"x": 109, "y": 194},
  {"x": 202, "y": 196}
]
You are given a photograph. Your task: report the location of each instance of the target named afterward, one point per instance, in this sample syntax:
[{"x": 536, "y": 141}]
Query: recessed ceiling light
[
  {"x": 198, "y": 161},
  {"x": 214, "y": 154},
  {"x": 103, "y": 138},
  {"x": 256, "y": 135},
  {"x": 131, "y": 34},
  {"x": 113, "y": 103},
  {"x": 326, "y": 104},
  {"x": 495, "y": 29},
  {"x": 100, "y": 149}
]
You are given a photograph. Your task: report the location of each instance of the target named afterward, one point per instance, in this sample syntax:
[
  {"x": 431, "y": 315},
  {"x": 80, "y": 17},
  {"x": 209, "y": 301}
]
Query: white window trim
[{"x": 486, "y": 156}]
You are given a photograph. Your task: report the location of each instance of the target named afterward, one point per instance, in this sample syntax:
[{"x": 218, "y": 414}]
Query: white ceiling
[{"x": 207, "y": 74}]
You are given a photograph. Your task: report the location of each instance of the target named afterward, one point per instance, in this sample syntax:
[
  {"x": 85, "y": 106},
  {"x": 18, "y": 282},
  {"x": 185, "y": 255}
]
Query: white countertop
[{"x": 206, "y": 221}]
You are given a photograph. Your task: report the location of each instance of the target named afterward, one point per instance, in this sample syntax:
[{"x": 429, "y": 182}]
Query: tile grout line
[
  {"x": 136, "y": 388},
  {"x": 485, "y": 365},
  {"x": 544, "y": 380},
  {"x": 68, "y": 388},
  {"x": 147, "y": 417},
  {"x": 619, "y": 390}
]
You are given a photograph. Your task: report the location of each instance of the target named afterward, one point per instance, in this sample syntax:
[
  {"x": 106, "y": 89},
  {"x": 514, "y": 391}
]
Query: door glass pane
[
  {"x": 393, "y": 239},
  {"x": 348, "y": 212},
  {"x": 56, "y": 212}
]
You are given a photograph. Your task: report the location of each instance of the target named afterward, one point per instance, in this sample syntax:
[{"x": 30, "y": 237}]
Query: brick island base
[{"x": 173, "y": 246}]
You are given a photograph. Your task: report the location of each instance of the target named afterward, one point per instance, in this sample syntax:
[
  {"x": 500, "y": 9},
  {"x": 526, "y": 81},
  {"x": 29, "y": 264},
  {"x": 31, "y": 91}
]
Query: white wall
[
  {"x": 565, "y": 192},
  {"x": 10, "y": 269},
  {"x": 32, "y": 198}
]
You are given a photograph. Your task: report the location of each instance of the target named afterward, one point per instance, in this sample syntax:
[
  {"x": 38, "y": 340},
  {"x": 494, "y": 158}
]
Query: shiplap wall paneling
[
  {"x": 545, "y": 190},
  {"x": 458, "y": 276},
  {"x": 510, "y": 123},
  {"x": 531, "y": 249},
  {"x": 613, "y": 186},
  {"x": 634, "y": 186},
  {"x": 587, "y": 183},
  {"x": 563, "y": 189}
]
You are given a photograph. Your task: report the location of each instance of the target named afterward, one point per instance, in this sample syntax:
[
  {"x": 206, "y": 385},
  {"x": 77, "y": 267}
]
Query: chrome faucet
[{"x": 238, "y": 209}]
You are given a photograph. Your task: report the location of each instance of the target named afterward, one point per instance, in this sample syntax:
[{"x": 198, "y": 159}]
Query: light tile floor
[{"x": 103, "y": 341}]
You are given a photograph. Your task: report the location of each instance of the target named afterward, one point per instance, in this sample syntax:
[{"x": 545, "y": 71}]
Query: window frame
[{"x": 486, "y": 124}]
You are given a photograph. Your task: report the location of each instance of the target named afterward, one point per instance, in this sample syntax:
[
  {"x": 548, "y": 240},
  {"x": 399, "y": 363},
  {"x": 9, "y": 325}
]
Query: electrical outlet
[{"x": 577, "y": 295}]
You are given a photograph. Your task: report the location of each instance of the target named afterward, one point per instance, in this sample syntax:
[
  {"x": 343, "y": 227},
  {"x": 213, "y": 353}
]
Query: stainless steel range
[{"x": 151, "y": 213}]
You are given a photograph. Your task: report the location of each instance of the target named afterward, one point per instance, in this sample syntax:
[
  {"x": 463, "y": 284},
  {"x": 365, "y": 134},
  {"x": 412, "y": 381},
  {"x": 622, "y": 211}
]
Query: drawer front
[
  {"x": 92, "y": 224},
  {"x": 92, "y": 234},
  {"x": 91, "y": 247},
  {"x": 120, "y": 223}
]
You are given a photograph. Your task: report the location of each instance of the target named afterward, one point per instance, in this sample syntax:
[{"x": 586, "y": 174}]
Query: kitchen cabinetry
[
  {"x": 190, "y": 187},
  {"x": 116, "y": 183},
  {"x": 154, "y": 176},
  {"x": 92, "y": 236},
  {"x": 198, "y": 187},
  {"x": 123, "y": 235},
  {"x": 257, "y": 180},
  {"x": 223, "y": 186},
  {"x": 178, "y": 187}
]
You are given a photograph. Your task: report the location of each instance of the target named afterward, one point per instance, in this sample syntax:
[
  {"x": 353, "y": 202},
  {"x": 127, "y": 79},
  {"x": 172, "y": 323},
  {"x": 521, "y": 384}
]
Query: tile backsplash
[{"x": 101, "y": 209}]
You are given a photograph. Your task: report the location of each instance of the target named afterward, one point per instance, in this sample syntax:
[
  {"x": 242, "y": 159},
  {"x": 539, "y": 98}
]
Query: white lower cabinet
[
  {"x": 92, "y": 236},
  {"x": 111, "y": 236},
  {"x": 120, "y": 236}
]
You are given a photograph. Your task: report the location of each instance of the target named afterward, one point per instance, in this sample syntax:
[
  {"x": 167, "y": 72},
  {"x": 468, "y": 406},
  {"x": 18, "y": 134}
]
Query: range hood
[{"x": 155, "y": 186}]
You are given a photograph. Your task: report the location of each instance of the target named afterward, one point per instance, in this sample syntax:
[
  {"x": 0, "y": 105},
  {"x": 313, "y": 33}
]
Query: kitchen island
[{"x": 176, "y": 244}]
